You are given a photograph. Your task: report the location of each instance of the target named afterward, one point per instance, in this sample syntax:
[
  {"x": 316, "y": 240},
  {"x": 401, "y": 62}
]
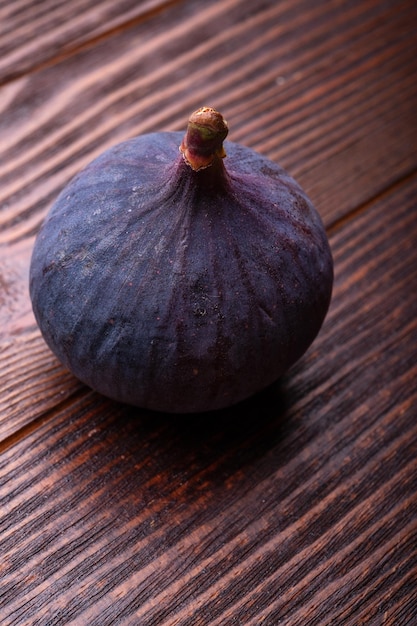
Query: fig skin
[{"x": 178, "y": 289}]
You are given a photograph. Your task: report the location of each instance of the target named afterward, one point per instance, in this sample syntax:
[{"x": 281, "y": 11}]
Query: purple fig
[{"x": 178, "y": 280}]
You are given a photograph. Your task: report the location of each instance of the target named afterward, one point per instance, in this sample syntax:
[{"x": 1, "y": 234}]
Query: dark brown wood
[
  {"x": 298, "y": 507},
  {"x": 36, "y": 34}
]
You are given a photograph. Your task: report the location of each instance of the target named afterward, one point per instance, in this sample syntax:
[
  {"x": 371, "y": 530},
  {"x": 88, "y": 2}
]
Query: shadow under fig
[{"x": 257, "y": 422}]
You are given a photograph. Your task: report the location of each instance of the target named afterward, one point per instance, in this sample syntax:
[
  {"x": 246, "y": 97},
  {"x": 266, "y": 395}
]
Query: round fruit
[{"x": 180, "y": 281}]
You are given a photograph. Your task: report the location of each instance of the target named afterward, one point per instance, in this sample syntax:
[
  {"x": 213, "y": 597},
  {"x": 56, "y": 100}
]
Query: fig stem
[{"x": 202, "y": 144}]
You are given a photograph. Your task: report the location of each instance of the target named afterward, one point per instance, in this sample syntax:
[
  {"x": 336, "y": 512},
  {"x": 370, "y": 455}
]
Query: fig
[{"x": 169, "y": 277}]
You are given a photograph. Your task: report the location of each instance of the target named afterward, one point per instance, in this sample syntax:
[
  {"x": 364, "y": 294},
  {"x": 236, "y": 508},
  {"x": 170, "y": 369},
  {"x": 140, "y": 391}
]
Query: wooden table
[{"x": 299, "y": 507}]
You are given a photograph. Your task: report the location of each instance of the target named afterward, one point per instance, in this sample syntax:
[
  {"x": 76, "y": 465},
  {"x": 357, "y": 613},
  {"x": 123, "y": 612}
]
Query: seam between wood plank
[
  {"x": 39, "y": 421},
  {"x": 334, "y": 226}
]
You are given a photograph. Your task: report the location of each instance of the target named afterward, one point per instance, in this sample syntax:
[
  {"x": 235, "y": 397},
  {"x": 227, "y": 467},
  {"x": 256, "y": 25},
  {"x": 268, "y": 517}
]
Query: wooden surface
[{"x": 299, "y": 507}]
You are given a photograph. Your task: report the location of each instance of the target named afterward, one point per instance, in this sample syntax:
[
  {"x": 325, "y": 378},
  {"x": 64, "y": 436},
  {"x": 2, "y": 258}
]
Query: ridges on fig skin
[{"x": 203, "y": 283}]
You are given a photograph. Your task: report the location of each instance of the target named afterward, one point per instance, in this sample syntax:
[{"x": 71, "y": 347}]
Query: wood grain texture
[
  {"x": 34, "y": 34},
  {"x": 298, "y": 507}
]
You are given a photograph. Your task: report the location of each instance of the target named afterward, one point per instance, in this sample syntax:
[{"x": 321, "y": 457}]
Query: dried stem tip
[{"x": 203, "y": 141}]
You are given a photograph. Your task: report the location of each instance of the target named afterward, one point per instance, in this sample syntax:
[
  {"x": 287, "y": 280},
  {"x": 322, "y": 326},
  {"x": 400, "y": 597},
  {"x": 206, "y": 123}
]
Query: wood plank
[
  {"x": 31, "y": 379},
  {"x": 34, "y": 34},
  {"x": 330, "y": 92},
  {"x": 298, "y": 507}
]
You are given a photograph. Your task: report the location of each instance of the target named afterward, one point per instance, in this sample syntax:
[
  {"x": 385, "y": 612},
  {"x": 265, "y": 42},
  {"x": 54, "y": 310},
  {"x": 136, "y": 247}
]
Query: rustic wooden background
[{"x": 299, "y": 507}]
